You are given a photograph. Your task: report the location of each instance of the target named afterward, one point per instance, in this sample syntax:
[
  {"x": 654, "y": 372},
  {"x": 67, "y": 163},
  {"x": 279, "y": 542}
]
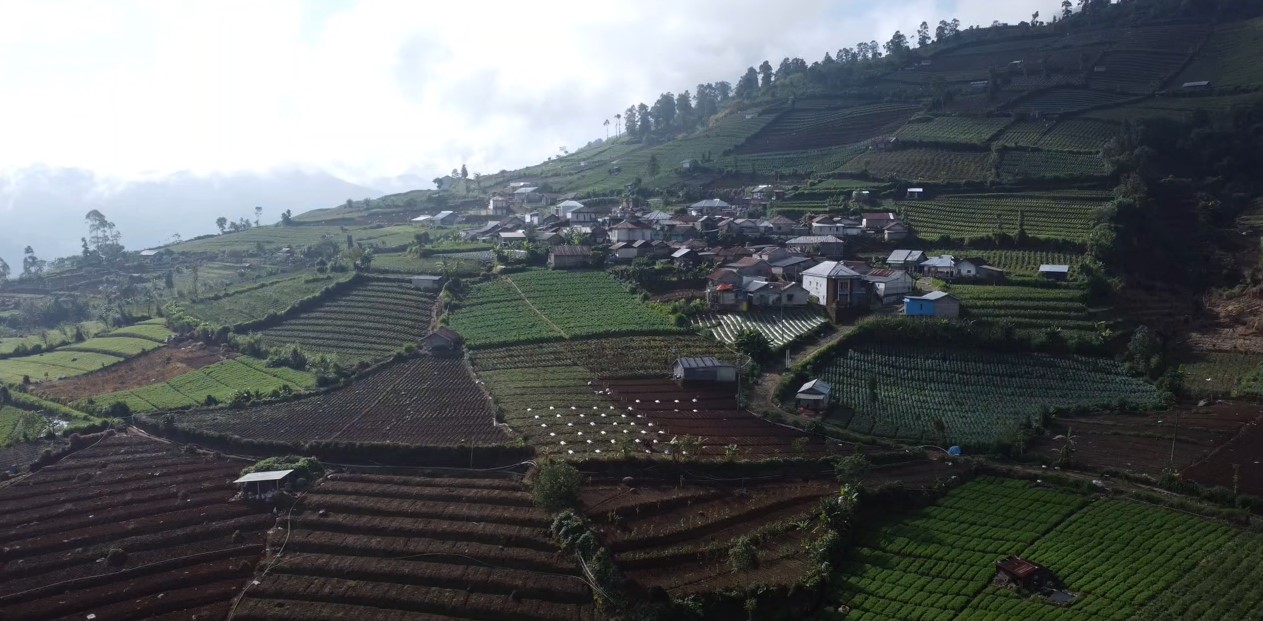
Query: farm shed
[
  {"x": 703, "y": 369},
  {"x": 442, "y": 340},
  {"x": 932, "y": 304},
  {"x": 569, "y": 257},
  {"x": 894, "y": 231},
  {"x": 916, "y": 193},
  {"x": 427, "y": 282},
  {"x": 422, "y": 219},
  {"x": 1196, "y": 86},
  {"x": 1024, "y": 574},
  {"x": 905, "y": 259},
  {"x": 1059, "y": 273},
  {"x": 445, "y": 218},
  {"x": 260, "y": 483},
  {"x": 813, "y": 395}
]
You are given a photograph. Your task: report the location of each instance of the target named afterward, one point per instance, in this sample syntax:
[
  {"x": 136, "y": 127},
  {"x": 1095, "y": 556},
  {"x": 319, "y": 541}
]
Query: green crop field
[
  {"x": 370, "y": 321},
  {"x": 543, "y": 304},
  {"x": 953, "y": 130},
  {"x": 297, "y": 237},
  {"x": 1061, "y": 100},
  {"x": 463, "y": 264},
  {"x": 978, "y": 397},
  {"x": 779, "y": 328},
  {"x": 1017, "y": 263},
  {"x": 963, "y": 216},
  {"x": 55, "y": 337},
  {"x": 1023, "y": 133},
  {"x": 1176, "y": 107},
  {"x": 121, "y": 346},
  {"x": 1136, "y": 72},
  {"x": 1231, "y": 57},
  {"x": 151, "y": 329},
  {"x": 53, "y": 365},
  {"x": 793, "y": 163},
  {"x": 1223, "y": 587},
  {"x": 929, "y": 565},
  {"x": 922, "y": 165},
  {"x": 1018, "y": 165},
  {"x": 1077, "y": 135},
  {"x": 220, "y": 380},
  {"x": 797, "y": 130},
  {"x": 19, "y": 425},
  {"x": 1027, "y": 308},
  {"x": 1217, "y": 373},
  {"x": 256, "y": 302}
]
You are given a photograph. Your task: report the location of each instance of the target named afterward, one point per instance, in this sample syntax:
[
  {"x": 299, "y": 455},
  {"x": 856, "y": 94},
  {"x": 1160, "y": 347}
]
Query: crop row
[
  {"x": 1062, "y": 100},
  {"x": 1136, "y": 72},
  {"x": 954, "y": 130},
  {"x": 965, "y": 216},
  {"x": 255, "y": 302},
  {"x": 1016, "y": 165},
  {"x": 1223, "y": 587},
  {"x": 219, "y": 381},
  {"x": 615, "y": 357},
  {"x": 817, "y": 129},
  {"x": 370, "y": 321},
  {"x": 955, "y": 396},
  {"x": 778, "y": 328},
  {"x": 1230, "y": 57},
  {"x": 921, "y": 165}
]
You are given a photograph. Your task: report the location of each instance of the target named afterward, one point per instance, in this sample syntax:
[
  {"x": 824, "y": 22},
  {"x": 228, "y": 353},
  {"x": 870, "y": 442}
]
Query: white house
[
  {"x": 876, "y": 221},
  {"x": 833, "y": 225},
  {"x": 835, "y": 285},
  {"x": 777, "y": 294},
  {"x": 630, "y": 231},
  {"x": 905, "y": 259},
  {"x": 916, "y": 193},
  {"x": 889, "y": 284}
]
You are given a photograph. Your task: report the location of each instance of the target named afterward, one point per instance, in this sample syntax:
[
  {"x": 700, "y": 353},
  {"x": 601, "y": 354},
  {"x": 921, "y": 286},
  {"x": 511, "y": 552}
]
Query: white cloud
[{"x": 376, "y": 88}]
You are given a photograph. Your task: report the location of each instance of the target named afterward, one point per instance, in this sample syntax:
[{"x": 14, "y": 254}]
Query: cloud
[{"x": 374, "y": 88}]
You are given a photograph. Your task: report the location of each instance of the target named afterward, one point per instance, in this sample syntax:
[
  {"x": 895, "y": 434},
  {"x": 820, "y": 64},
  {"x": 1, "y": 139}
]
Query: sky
[{"x": 378, "y": 88}]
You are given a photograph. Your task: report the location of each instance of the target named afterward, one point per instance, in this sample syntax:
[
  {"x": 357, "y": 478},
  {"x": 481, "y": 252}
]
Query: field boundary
[{"x": 536, "y": 310}]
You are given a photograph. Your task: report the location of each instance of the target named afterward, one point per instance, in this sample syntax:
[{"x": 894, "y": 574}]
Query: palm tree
[
  {"x": 607, "y": 129},
  {"x": 618, "y": 127}
]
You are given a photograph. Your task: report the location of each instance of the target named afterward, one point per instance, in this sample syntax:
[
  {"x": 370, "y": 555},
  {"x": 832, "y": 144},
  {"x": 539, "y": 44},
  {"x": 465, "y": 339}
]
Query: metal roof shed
[{"x": 271, "y": 477}]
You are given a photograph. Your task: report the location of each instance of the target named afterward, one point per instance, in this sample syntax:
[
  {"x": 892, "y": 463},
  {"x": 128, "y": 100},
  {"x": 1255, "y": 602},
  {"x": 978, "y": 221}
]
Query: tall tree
[
  {"x": 874, "y": 50},
  {"x": 32, "y": 266},
  {"x": 103, "y": 236},
  {"x": 618, "y": 125},
  {"x": 765, "y": 75},
  {"x": 258, "y": 215},
  {"x": 4, "y": 270},
  {"x": 607, "y": 129},
  {"x": 464, "y": 172},
  {"x": 629, "y": 121},
  {"x": 1067, "y": 9},
  {"x": 923, "y": 34},
  {"x": 942, "y": 31},
  {"x": 684, "y": 110},
  {"x": 654, "y": 166},
  {"x": 646, "y": 123},
  {"x": 664, "y": 111},
  {"x": 723, "y": 91},
  {"x": 748, "y": 85},
  {"x": 706, "y": 102},
  {"x": 897, "y": 45}
]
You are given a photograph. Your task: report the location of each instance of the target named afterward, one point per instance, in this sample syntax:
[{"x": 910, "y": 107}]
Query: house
[
  {"x": 688, "y": 165},
  {"x": 1021, "y": 573},
  {"x": 446, "y": 218},
  {"x": 627, "y": 251},
  {"x": 657, "y": 218},
  {"x": 976, "y": 267},
  {"x": 512, "y": 237},
  {"x": 906, "y": 260},
  {"x": 823, "y": 245},
  {"x": 427, "y": 282},
  {"x": 790, "y": 267},
  {"x": 724, "y": 288},
  {"x": 552, "y": 238},
  {"x": 732, "y": 253},
  {"x": 685, "y": 256},
  {"x": 569, "y": 257},
  {"x": 751, "y": 266},
  {"x": 888, "y": 284},
  {"x": 631, "y": 230},
  {"x": 1059, "y": 273},
  {"x": 782, "y": 225},
  {"x": 528, "y": 195},
  {"x": 703, "y": 369},
  {"x": 835, "y": 285},
  {"x": 813, "y": 395},
  {"x": 422, "y": 219},
  {"x": 490, "y": 230},
  {"x": 762, "y": 193},
  {"x": 564, "y": 208},
  {"x": 940, "y": 267},
  {"x": 916, "y": 193},
  {"x": 933, "y": 304},
  {"x": 894, "y": 231},
  {"x": 833, "y": 225},
  {"x": 745, "y": 227},
  {"x": 679, "y": 232},
  {"x": 876, "y": 221},
  {"x": 776, "y": 294},
  {"x": 500, "y": 205},
  {"x": 442, "y": 340},
  {"x": 709, "y": 207}
]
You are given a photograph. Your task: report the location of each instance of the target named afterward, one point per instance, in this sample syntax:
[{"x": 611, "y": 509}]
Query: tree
[
  {"x": 258, "y": 215},
  {"x": 287, "y": 217},
  {"x": 618, "y": 120},
  {"x": 1035, "y": 18},
  {"x": 607, "y": 129},
  {"x": 557, "y": 486},
  {"x": 664, "y": 111},
  {"x": 654, "y": 166},
  {"x": 748, "y": 85},
  {"x": 752, "y": 343},
  {"x": 923, "y": 35},
  {"x": 222, "y": 223},
  {"x": 723, "y": 91},
  {"x": 941, "y": 32},
  {"x": 897, "y": 45},
  {"x": 684, "y": 110},
  {"x": 103, "y": 236},
  {"x": 765, "y": 75},
  {"x": 1067, "y": 9},
  {"x": 350, "y": 203},
  {"x": 629, "y": 119},
  {"x": 4, "y": 270},
  {"x": 32, "y": 266},
  {"x": 464, "y": 172},
  {"x": 646, "y": 123}
]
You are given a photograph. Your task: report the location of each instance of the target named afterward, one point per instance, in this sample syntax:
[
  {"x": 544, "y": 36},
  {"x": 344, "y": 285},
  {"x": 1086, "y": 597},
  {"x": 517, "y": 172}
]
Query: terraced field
[
  {"x": 183, "y": 549},
  {"x": 780, "y": 329},
  {"x": 1047, "y": 216},
  {"x": 365, "y": 546},
  {"x": 1018, "y": 165},
  {"x": 1230, "y": 57},
  {"x": 1136, "y": 72},
  {"x": 1220, "y": 587},
  {"x": 1077, "y": 135},
  {"x": 257, "y": 301},
  {"x": 953, "y": 130},
  {"x": 1062, "y": 100},
  {"x": 52, "y": 365},
  {"x": 370, "y": 321},
  {"x": 217, "y": 383},
  {"x": 1017, "y": 263},
  {"x": 921, "y": 165},
  {"x": 1028, "y": 308},
  {"x": 1217, "y": 374},
  {"x": 934, "y": 395},
  {"x": 424, "y": 401},
  {"x": 798, "y": 130},
  {"x": 275, "y": 237}
]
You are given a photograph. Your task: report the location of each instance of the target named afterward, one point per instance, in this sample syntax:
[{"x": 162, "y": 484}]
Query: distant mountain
[{"x": 44, "y": 206}]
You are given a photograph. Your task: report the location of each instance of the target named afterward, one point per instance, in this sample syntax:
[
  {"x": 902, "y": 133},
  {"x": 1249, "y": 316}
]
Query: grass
[
  {"x": 255, "y": 302},
  {"x": 220, "y": 380},
  {"x": 53, "y": 365},
  {"x": 367, "y": 322}
]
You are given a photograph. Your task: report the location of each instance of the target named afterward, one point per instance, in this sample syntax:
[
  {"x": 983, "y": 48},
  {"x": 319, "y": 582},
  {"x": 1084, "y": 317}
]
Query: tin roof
[
  {"x": 270, "y": 475},
  {"x": 701, "y": 362}
]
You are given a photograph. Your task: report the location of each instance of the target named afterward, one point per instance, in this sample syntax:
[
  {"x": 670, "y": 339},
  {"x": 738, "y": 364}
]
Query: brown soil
[{"x": 154, "y": 367}]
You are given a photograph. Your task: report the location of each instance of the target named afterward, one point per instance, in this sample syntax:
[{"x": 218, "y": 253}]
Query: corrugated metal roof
[
  {"x": 1054, "y": 268},
  {"x": 814, "y": 239},
  {"x": 270, "y": 475},
  {"x": 701, "y": 362},
  {"x": 832, "y": 269},
  {"x": 815, "y": 385},
  {"x": 572, "y": 251}
]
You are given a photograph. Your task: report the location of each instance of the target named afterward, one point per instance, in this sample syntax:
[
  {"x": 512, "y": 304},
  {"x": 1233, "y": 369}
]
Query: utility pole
[{"x": 1175, "y": 432}]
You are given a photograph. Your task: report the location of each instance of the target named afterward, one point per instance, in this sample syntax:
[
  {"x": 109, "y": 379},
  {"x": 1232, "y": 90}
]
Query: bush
[
  {"x": 116, "y": 557},
  {"x": 557, "y": 486},
  {"x": 742, "y": 556}
]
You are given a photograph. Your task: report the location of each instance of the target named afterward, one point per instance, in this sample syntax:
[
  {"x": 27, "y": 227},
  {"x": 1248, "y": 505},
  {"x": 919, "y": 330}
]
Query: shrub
[
  {"x": 557, "y": 486},
  {"x": 308, "y": 468},
  {"x": 116, "y": 557},
  {"x": 742, "y": 556}
]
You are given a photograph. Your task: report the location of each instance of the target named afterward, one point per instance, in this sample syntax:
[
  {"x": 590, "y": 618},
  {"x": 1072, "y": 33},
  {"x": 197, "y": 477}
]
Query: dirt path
[{"x": 541, "y": 315}]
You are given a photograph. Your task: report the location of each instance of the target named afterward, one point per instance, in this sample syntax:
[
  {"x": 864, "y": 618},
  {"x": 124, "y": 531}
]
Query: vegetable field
[
  {"x": 1028, "y": 308},
  {"x": 543, "y": 305},
  {"x": 922, "y": 165},
  {"x": 1045, "y": 216},
  {"x": 974, "y": 397},
  {"x": 1061, "y": 100},
  {"x": 1223, "y": 587},
  {"x": 255, "y": 302},
  {"x": 297, "y": 237},
  {"x": 1218, "y": 373},
  {"x": 1230, "y": 57},
  {"x": 1077, "y": 135},
  {"x": 219, "y": 381},
  {"x": 424, "y": 401},
  {"x": 799, "y": 130},
  {"x": 398, "y": 547},
  {"x": 1019, "y": 165},
  {"x": 953, "y": 130},
  {"x": 183, "y": 549},
  {"x": 1137, "y": 72},
  {"x": 52, "y": 365},
  {"x": 51, "y": 338},
  {"x": 1017, "y": 263},
  {"x": 795, "y": 324},
  {"x": 368, "y": 322}
]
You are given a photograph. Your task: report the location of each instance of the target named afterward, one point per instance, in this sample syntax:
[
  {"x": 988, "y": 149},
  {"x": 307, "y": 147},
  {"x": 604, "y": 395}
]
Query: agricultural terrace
[
  {"x": 1230, "y": 57},
  {"x": 779, "y": 328},
  {"x": 1017, "y": 263},
  {"x": 929, "y": 394},
  {"x": 21, "y": 425},
  {"x": 1028, "y": 308},
  {"x": 1219, "y": 373},
  {"x": 369, "y": 321},
  {"x": 423, "y": 401},
  {"x": 1223, "y": 587},
  {"x": 462, "y": 264},
  {"x": 929, "y": 564},
  {"x": 150, "y": 329},
  {"x": 50, "y": 338},
  {"x": 543, "y": 305},
  {"x": 678, "y": 537},
  {"x": 795, "y": 162},
  {"x": 1175, "y": 107},
  {"x": 1023, "y": 134},
  {"x": 154, "y": 367},
  {"x": 220, "y": 382},
  {"x": 964, "y": 216},
  {"x": 1016, "y": 165},
  {"x": 90, "y": 355},
  {"x": 921, "y": 165},
  {"x": 128, "y": 528},
  {"x": 1136, "y": 72},
  {"x": 799, "y": 130},
  {"x": 1061, "y": 100},
  {"x": 298, "y": 237},
  {"x": 395, "y": 547},
  {"x": 255, "y": 302},
  {"x": 956, "y": 130},
  {"x": 1077, "y": 135},
  {"x": 1099, "y": 551}
]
